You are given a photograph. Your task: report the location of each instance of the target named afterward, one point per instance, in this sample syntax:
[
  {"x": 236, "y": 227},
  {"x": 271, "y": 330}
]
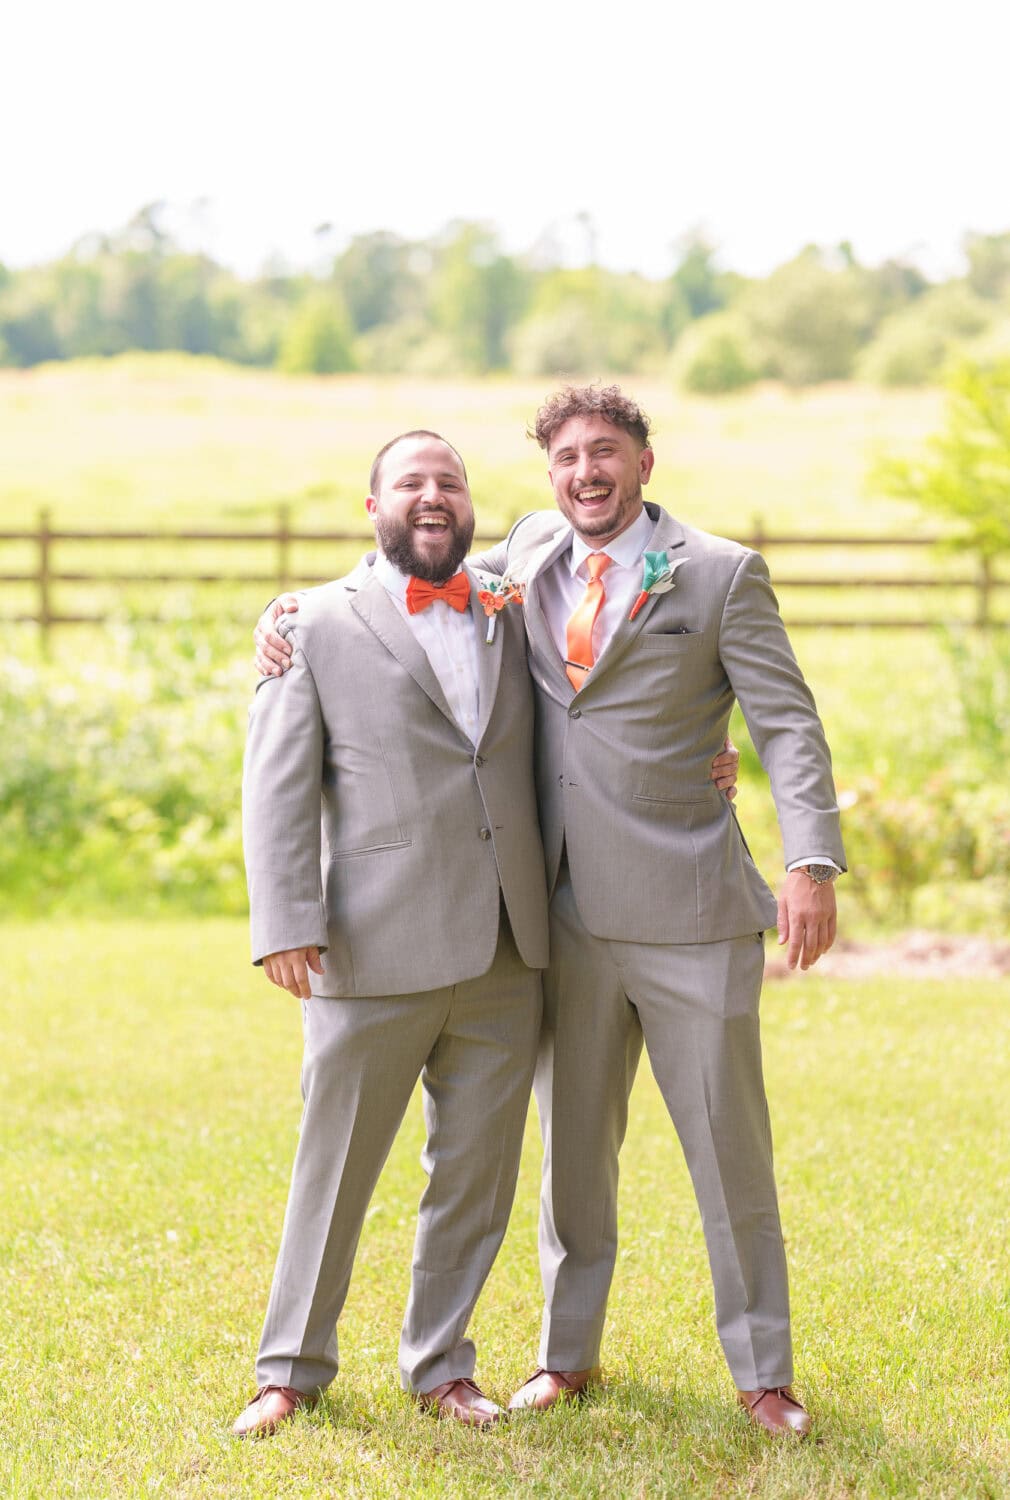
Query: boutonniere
[
  {"x": 657, "y": 577},
  {"x": 499, "y": 592}
]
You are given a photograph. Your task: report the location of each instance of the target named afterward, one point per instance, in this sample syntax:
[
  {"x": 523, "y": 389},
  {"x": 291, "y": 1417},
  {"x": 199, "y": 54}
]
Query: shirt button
[
  {"x": 485, "y": 834},
  {"x": 575, "y": 713},
  {"x": 478, "y": 760}
]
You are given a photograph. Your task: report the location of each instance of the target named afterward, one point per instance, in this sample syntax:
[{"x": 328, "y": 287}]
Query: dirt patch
[{"x": 914, "y": 955}]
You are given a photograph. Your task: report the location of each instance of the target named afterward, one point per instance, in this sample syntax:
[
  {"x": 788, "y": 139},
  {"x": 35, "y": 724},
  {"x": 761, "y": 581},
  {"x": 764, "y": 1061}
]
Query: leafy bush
[
  {"x": 119, "y": 788},
  {"x": 913, "y": 346},
  {"x": 715, "y": 355},
  {"x": 807, "y": 319},
  {"x": 120, "y": 785}
]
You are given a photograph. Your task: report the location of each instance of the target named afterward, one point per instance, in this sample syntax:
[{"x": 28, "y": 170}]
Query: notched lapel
[
  {"x": 544, "y": 649},
  {"x": 667, "y": 537},
  {"x": 373, "y": 605},
  {"x": 489, "y": 657}
]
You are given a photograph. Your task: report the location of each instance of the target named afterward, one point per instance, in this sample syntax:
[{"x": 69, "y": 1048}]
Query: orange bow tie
[{"x": 455, "y": 592}]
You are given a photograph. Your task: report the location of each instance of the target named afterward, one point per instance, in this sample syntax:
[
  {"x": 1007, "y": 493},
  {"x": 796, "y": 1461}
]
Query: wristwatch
[{"x": 819, "y": 874}]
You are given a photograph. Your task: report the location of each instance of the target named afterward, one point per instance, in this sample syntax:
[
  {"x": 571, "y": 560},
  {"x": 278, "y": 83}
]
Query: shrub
[{"x": 715, "y": 355}]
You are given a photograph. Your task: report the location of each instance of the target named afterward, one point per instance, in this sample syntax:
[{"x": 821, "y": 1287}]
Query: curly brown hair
[{"x": 607, "y": 401}]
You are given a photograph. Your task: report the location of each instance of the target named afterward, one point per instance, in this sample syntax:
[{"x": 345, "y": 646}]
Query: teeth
[
  {"x": 596, "y": 494},
  {"x": 438, "y": 522}
]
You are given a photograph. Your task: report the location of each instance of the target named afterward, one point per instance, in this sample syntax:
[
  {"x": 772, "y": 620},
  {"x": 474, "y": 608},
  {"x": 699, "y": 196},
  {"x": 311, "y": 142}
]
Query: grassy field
[
  {"x": 164, "y": 439},
  {"x": 150, "y": 1111}
]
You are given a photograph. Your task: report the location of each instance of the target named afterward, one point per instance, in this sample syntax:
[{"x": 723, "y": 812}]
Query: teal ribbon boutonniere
[{"x": 657, "y": 577}]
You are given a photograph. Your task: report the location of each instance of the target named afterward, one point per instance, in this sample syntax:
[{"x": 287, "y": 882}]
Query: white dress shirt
[
  {"x": 448, "y": 638},
  {"x": 563, "y": 585}
]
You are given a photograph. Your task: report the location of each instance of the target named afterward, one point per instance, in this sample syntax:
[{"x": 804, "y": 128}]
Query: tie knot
[{"x": 597, "y": 563}]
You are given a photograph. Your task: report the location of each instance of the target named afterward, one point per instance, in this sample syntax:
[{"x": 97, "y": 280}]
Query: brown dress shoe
[
  {"x": 464, "y": 1401},
  {"x": 777, "y": 1410},
  {"x": 271, "y": 1405},
  {"x": 545, "y": 1388}
]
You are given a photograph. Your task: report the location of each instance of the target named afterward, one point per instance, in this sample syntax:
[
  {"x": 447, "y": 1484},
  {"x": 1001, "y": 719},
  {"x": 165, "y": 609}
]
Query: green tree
[
  {"x": 807, "y": 319},
  {"x": 476, "y": 294},
  {"x": 964, "y": 473},
  {"x": 317, "y": 339},
  {"x": 701, "y": 285},
  {"x": 913, "y": 345},
  {"x": 988, "y": 264},
  {"x": 587, "y": 321},
  {"x": 379, "y": 280},
  {"x": 715, "y": 356}
]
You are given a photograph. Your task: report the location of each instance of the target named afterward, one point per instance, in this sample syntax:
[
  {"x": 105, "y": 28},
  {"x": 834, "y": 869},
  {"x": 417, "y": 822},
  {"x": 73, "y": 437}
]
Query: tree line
[{"x": 458, "y": 304}]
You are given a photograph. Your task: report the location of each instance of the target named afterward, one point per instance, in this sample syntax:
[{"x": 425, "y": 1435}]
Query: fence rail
[{"x": 44, "y": 578}]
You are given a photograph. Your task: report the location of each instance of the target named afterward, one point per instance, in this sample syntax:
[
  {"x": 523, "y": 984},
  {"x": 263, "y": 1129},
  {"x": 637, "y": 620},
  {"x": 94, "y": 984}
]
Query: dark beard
[{"x": 396, "y": 538}]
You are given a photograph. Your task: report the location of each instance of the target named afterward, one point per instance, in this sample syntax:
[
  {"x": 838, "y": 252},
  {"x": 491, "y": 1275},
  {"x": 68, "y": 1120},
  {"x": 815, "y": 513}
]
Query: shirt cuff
[{"x": 813, "y": 859}]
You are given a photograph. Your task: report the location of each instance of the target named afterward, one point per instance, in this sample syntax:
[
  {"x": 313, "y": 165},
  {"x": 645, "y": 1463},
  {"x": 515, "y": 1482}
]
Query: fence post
[
  {"x": 45, "y": 604},
  {"x": 758, "y": 538},
  {"x": 984, "y": 589},
  {"x": 283, "y": 547}
]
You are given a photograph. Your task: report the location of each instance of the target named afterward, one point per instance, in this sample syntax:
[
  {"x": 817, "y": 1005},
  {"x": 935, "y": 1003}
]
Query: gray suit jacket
[
  {"x": 655, "y": 851},
  {"x": 373, "y": 828}
]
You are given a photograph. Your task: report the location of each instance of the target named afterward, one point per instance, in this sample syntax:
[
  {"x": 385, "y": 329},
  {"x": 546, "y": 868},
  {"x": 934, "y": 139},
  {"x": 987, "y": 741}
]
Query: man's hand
[
  {"x": 807, "y": 920},
  {"x": 273, "y": 652},
  {"x": 289, "y": 970},
  {"x": 725, "y": 767}
]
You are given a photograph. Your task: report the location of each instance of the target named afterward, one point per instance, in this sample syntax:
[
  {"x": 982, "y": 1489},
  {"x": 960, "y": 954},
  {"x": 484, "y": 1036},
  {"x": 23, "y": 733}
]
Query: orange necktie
[
  {"x": 579, "y": 632},
  {"x": 456, "y": 591}
]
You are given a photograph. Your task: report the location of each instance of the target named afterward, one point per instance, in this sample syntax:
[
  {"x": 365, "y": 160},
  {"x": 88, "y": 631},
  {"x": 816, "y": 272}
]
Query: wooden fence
[{"x": 974, "y": 575}]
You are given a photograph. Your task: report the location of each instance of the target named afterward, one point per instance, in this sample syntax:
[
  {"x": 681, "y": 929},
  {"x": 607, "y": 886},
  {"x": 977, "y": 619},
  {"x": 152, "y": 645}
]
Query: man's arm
[
  {"x": 495, "y": 561},
  {"x": 782, "y": 719},
  {"x": 281, "y": 792}
]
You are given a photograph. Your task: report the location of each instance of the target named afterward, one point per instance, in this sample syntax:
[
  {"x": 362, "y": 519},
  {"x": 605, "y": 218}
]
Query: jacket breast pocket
[{"x": 672, "y": 642}]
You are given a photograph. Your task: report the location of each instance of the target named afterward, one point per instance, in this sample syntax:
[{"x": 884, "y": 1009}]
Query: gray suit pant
[
  {"x": 473, "y": 1045},
  {"x": 696, "y": 1006}
]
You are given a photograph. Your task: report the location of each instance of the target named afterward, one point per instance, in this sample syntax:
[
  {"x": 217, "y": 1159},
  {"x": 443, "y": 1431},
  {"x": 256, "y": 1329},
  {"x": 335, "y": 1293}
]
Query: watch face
[{"x": 822, "y": 873}]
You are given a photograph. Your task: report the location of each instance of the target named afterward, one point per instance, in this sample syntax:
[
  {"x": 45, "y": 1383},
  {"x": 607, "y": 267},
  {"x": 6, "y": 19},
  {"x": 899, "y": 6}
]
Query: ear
[
  {"x": 371, "y": 505},
  {"x": 646, "y": 459}
]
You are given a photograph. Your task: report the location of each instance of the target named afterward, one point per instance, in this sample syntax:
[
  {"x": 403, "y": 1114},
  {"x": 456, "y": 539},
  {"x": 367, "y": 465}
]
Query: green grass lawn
[{"x": 150, "y": 1108}]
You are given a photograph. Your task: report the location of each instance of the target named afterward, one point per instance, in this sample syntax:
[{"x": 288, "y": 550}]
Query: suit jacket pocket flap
[{"x": 686, "y": 640}]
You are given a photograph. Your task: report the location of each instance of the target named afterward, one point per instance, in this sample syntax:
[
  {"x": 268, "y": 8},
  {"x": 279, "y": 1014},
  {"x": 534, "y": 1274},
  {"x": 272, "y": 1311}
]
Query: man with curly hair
[{"x": 642, "y": 634}]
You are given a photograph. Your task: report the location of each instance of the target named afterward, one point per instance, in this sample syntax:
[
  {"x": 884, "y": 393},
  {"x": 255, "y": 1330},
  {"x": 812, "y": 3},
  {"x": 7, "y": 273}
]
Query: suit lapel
[
  {"x": 537, "y": 628},
  {"x": 373, "y": 605},
  {"x": 668, "y": 536},
  {"x": 488, "y": 656}
]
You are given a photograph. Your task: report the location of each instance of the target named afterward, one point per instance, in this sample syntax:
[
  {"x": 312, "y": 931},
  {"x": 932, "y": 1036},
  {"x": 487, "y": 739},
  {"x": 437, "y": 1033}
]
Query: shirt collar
[
  {"x": 626, "y": 549},
  {"x": 392, "y": 580}
]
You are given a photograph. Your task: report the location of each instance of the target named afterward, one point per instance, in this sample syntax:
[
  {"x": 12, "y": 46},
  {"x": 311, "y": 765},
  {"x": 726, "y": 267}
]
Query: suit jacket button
[
  {"x": 485, "y": 833},
  {"x": 575, "y": 713},
  {"x": 478, "y": 760}
]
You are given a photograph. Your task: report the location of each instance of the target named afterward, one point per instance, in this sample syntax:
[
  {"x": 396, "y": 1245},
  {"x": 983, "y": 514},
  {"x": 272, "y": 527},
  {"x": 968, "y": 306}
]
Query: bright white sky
[{"x": 769, "y": 123}]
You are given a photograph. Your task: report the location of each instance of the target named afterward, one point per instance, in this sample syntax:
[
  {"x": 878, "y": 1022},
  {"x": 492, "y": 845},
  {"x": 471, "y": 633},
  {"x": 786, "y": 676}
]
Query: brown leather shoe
[
  {"x": 545, "y": 1388},
  {"x": 777, "y": 1410},
  {"x": 464, "y": 1401},
  {"x": 271, "y": 1405}
]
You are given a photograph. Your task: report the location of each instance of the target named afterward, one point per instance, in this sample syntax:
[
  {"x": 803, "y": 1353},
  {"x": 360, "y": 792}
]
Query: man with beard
[
  {"x": 643, "y": 632},
  {"x": 395, "y": 757}
]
